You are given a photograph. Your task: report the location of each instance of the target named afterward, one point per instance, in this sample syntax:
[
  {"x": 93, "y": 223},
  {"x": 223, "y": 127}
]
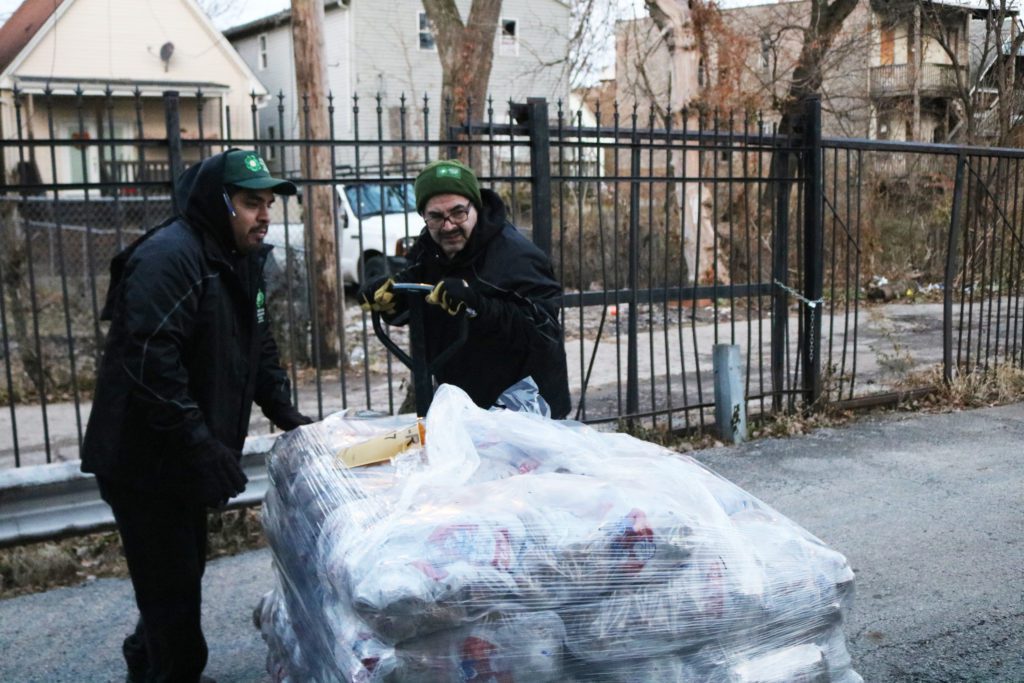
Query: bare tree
[
  {"x": 825, "y": 22},
  {"x": 466, "y": 51},
  {"x": 989, "y": 97},
  {"x": 216, "y": 8},
  {"x": 771, "y": 57},
  {"x": 674, "y": 19},
  {"x": 1004, "y": 26}
]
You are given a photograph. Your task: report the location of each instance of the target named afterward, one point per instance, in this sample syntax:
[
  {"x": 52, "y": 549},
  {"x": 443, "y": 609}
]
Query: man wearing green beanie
[{"x": 481, "y": 267}]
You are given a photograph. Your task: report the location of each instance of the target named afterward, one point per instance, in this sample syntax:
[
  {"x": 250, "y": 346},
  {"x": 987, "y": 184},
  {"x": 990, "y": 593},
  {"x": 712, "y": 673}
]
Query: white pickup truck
[{"x": 375, "y": 220}]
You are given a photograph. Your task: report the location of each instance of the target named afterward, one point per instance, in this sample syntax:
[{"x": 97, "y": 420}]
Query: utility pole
[
  {"x": 322, "y": 251},
  {"x": 916, "y": 63}
]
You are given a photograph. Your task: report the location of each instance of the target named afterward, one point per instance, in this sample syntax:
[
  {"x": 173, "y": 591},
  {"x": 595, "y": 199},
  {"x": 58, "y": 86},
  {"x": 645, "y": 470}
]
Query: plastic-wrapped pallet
[{"x": 517, "y": 548}]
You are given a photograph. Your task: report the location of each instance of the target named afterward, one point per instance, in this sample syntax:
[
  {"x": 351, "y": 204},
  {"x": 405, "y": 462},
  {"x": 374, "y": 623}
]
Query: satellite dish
[{"x": 166, "y": 50}]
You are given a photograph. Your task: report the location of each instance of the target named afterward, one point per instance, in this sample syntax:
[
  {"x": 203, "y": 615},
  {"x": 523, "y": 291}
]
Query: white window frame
[
  {"x": 508, "y": 46},
  {"x": 261, "y": 48},
  {"x": 421, "y": 20}
]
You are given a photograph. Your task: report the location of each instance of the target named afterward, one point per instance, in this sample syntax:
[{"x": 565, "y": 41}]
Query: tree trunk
[
  {"x": 825, "y": 23},
  {"x": 674, "y": 19},
  {"x": 466, "y": 51},
  {"x": 311, "y": 80}
]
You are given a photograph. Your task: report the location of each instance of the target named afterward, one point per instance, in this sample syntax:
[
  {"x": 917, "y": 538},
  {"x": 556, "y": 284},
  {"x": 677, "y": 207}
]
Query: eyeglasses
[{"x": 436, "y": 220}]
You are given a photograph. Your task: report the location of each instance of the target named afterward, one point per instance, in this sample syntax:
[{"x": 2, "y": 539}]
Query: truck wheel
[{"x": 374, "y": 268}]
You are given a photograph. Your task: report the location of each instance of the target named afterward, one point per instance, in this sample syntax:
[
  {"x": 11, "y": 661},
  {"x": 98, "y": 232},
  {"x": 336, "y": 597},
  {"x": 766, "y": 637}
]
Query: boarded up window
[{"x": 888, "y": 45}]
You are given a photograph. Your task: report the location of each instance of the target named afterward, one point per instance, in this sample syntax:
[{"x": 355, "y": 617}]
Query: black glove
[
  {"x": 288, "y": 418},
  {"x": 454, "y": 295},
  {"x": 220, "y": 476},
  {"x": 378, "y": 295}
]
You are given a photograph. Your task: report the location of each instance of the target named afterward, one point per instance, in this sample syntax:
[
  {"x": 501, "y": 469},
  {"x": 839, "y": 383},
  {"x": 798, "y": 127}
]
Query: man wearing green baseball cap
[
  {"x": 483, "y": 268},
  {"x": 188, "y": 352}
]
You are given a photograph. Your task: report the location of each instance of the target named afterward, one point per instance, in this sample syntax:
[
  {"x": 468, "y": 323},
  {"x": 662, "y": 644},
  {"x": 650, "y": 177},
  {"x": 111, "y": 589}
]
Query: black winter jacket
[
  {"x": 516, "y": 332},
  {"x": 189, "y": 347}
]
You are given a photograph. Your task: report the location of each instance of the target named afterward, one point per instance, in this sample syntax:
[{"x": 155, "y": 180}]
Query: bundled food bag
[{"x": 512, "y": 547}]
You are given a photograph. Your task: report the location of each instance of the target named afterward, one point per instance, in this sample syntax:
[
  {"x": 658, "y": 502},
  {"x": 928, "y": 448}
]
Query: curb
[{"x": 48, "y": 502}]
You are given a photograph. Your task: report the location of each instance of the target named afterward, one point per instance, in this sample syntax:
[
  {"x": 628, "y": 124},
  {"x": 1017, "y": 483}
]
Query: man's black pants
[{"x": 164, "y": 539}]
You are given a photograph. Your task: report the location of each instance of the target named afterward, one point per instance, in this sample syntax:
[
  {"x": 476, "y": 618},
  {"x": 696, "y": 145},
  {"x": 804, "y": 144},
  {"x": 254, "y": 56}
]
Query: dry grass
[
  {"x": 998, "y": 386},
  {"x": 982, "y": 388},
  {"x": 42, "y": 566},
  {"x": 795, "y": 424}
]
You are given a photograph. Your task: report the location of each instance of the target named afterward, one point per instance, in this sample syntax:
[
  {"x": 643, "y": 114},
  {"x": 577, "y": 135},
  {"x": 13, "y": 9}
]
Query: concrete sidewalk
[{"x": 929, "y": 509}]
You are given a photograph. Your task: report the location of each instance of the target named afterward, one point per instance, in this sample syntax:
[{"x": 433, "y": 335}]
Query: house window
[
  {"x": 262, "y": 44},
  {"x": 702, "y": 73},
  {"x": 765, "y": 61},
  {"x": 268, "y": 152},
  {"x": 426, "y": 33},
  {"x": 81, "y": 162},
  {"x": 508, "y": 38}
]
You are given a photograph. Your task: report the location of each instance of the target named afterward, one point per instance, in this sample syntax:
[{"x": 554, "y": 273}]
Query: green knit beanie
[{"x": 447, "y": 176}]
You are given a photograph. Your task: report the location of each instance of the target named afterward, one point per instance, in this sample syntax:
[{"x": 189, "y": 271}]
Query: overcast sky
[
  {"x": 243, "y": 10},
  {"x": 248, "y": 10}
]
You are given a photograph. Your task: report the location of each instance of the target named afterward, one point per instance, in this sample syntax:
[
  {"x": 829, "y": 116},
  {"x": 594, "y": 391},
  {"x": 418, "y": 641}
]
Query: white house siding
[
  {"x": 95, "y": 41},
  {"x": 373, "y": 47},
  {"x": 404, "y": 68},
  {"x": 121, "y": 39},
  {"x": 279, "y": 78}
]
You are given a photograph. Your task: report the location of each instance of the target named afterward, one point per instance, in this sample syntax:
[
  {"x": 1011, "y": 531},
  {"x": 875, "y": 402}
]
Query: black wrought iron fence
[{"x": 671, "y": 232}]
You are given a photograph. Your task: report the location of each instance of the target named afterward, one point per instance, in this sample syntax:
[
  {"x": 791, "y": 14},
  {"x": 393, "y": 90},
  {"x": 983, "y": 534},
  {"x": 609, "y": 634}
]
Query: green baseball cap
[{"x": 245, "y": 168}]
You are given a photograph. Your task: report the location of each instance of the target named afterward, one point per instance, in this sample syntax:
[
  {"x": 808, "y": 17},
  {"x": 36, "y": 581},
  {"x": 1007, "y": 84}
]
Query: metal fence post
[
  {"x": 730, "y": 402},
  {"x": 780, "y": 277},
  {"x": 950, "y": 276},
  {"x": 174, "y": 156},
  {"x": 540, "y": 169},
  {"x": 813, "y": 252},
  {"x": 633, "y": 275}
]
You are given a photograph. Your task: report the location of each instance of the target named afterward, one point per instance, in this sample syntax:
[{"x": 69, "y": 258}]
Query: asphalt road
[{"x": 929, "y": 509}]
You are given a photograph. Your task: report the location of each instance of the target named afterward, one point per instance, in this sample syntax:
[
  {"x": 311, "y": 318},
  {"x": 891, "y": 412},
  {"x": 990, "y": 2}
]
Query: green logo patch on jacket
[{"x": 261, "y": 307}]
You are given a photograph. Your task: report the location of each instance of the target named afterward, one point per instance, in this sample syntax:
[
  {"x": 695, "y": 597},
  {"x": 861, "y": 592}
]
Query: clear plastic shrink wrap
[{"x": 514, "y": 548}]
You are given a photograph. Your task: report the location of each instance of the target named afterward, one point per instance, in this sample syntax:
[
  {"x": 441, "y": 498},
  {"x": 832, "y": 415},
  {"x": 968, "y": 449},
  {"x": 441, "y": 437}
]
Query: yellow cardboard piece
[{"x": 383, "y": 447}]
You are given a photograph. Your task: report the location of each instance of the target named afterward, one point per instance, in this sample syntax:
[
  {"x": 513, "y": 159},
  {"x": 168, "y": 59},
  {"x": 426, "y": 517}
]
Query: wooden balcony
[{"x": 897, "y": 80}]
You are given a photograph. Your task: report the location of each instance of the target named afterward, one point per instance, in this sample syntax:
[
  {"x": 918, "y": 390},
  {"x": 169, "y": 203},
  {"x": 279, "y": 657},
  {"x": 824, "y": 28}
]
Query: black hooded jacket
[
  {"x": 516, "y": 333},
  {"x": 189, "y": 347}
]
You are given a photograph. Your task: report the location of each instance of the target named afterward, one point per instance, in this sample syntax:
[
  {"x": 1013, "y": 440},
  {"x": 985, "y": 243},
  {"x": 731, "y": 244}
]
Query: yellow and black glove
[
  {"x": 454, "y": 295},
  {"x": 378, "y": 295}
]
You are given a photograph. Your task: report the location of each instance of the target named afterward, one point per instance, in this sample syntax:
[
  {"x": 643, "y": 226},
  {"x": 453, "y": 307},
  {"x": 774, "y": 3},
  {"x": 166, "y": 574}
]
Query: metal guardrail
[{"x": 47, "y": 502}]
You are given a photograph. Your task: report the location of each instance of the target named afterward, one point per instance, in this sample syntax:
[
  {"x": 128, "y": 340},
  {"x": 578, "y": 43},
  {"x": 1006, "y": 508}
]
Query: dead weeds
[
  {"x": 52, "y": 564},
  {"x": 982, "y": 388}
]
